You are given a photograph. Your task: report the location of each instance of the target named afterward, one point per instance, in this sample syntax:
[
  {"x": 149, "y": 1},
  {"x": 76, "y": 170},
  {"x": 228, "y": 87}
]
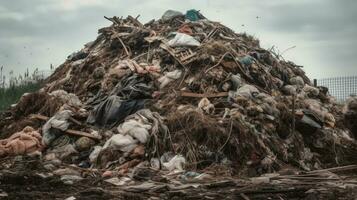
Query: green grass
[{"x": 11, "y": 95}]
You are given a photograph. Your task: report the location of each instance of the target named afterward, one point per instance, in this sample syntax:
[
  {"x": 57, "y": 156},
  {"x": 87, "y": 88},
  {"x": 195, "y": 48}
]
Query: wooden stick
[
  {"x": 81, "y": 133},
  {"x": 335, "y": 169},
  {"x": 40, "y": 117},
  {"x": 125, "y": 49}
]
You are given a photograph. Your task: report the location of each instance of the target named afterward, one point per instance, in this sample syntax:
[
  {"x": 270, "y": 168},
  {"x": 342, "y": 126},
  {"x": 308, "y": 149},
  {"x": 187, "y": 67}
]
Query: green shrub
[{"x": 11, "y": 95}]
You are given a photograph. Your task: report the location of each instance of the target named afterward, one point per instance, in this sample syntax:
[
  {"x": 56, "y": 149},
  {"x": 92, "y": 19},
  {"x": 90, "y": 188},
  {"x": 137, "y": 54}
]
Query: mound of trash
[{"x": 177, "y": 94}]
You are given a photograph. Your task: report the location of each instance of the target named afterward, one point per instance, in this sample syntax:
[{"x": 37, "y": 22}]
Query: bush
[{"x": 11, "y": 95}]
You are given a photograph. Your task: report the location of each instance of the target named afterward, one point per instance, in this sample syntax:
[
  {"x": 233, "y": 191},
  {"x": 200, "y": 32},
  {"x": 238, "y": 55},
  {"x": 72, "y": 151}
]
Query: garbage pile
[{"x": 177, "y": 94}]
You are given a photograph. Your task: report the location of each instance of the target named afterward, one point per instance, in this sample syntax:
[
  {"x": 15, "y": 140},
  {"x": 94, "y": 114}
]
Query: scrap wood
[
  {"x": 40, "y": 117},
  {"x": 335, "y": 169},
  {"x": 183, "y": 57},
  {"x": 196, "y": 95},
  {"x": 68, "y": 131},
  {"x": 81, "y": 133},
  {"x": 245, "y": 197},
  {"x": 135, "y": 21}
]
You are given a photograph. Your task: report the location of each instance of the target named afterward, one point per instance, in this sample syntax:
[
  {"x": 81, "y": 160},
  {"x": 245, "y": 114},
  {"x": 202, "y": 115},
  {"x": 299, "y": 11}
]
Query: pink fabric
[{"x": 25, "y": 142}]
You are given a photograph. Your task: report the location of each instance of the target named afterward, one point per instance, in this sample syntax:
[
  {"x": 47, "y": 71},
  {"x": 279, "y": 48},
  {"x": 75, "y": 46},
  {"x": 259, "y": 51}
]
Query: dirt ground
[{"x": 24, "y": 181}]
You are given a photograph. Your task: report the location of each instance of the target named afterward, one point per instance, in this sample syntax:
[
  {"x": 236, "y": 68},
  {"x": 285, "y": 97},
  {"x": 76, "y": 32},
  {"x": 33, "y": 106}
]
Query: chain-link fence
[{"x": 340, "y": 87}]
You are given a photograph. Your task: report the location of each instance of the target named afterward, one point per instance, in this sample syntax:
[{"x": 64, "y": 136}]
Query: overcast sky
[{"x": 36, "y": 33}]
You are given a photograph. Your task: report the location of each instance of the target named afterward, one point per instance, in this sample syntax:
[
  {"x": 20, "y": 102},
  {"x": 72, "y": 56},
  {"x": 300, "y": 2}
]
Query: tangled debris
[{"x": 180, "y": 99}]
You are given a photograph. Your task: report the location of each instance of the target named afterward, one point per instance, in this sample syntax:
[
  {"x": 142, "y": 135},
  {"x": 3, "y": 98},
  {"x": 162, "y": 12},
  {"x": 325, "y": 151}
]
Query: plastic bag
[
  {"x": 182, "y": 39},
  {"x": 169, "y": 77},
  {"x": 58, "y": 121},
  {"x": 169, "y": 14},
  {"x": 124, "y": 143},
  {"x": 136, "y": 129},
  {"x": 247, "y": 91}
]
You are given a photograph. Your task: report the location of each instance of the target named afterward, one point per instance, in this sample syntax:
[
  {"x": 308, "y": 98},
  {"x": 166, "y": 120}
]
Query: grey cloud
[{"x": 323, "y": 30}]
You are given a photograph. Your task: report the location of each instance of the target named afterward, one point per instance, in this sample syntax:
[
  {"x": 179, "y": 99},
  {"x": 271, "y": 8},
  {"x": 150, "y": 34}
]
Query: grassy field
[{"x": 12, "y": 94}]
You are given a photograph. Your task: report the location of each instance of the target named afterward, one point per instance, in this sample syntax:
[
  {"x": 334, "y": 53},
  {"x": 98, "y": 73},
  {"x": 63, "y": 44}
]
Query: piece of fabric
[
  {"x": 26, "y": 141},
  {"x": 236, "y": 81},
  {"x": 247, "y": 91},
  {"x": 68, "y": 98},
  {"x": 176, "y": 163},
  {"x": 94, "y": 154},
  {"x": 137, "y": 129},
  {"x": 186, "y": 29},
  {"x": 58, "y": 121},
  {"x": 113, "y": 110},
  {"x": 134, "y": 86},
  {"x": 169, "y": 77},
  {"x": 142, "y": 124},
  {"x": 247, "y": 61},
  {"x": 124, "y": 143}
]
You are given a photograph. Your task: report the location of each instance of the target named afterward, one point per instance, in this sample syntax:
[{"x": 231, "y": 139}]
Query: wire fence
[{"x": 340, "y": 87}]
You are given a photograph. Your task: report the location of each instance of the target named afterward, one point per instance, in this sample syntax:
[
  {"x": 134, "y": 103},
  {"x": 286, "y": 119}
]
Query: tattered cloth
[{"x": 25, "y": 142}]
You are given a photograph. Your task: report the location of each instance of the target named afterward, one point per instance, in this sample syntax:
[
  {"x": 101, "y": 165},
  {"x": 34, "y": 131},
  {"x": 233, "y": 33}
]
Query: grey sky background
[{"x": 36, "y": 33}]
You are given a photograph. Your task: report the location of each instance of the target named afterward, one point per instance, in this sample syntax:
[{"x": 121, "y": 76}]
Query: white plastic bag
[
  {"x": 124, "y": 143},
  {"x": 169, "y": 77},
  {"x": 136, "y": 129},
  {"x": 182, "y": 39}
]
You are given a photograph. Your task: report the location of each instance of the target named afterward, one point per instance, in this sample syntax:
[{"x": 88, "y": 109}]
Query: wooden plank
[
  {"x": 81, "y": 133},
  {"x": 40, "y": 117}
]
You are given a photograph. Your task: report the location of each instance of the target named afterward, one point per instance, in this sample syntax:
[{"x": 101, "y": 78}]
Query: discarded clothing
[
  {"x": 124, "y": 143},
  {"x": 236, "y": 81},
  {"x": 113, "y": 110},
  {"x": 58, "y": 121},
  {"x": 26, "y": 141},
  {"x": 94, "y": 154},
  {"x": 68, "y": 98},
  {"x": 169, "y": 161},
  {"x": 136, "y": 129},
  {"x": 176, "y": 163},
  {"x": 185, "y": 29},
  {"x": 142, "y": 124},
  {"x": 64, "y": 152},
  {"x": 247, "y": 91},
  {"x": 181, "y": 40},
  {"x": 134, "y": 87},
  {"x": 169, "y": 77},
  {"x": 247, "y": 61}
]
